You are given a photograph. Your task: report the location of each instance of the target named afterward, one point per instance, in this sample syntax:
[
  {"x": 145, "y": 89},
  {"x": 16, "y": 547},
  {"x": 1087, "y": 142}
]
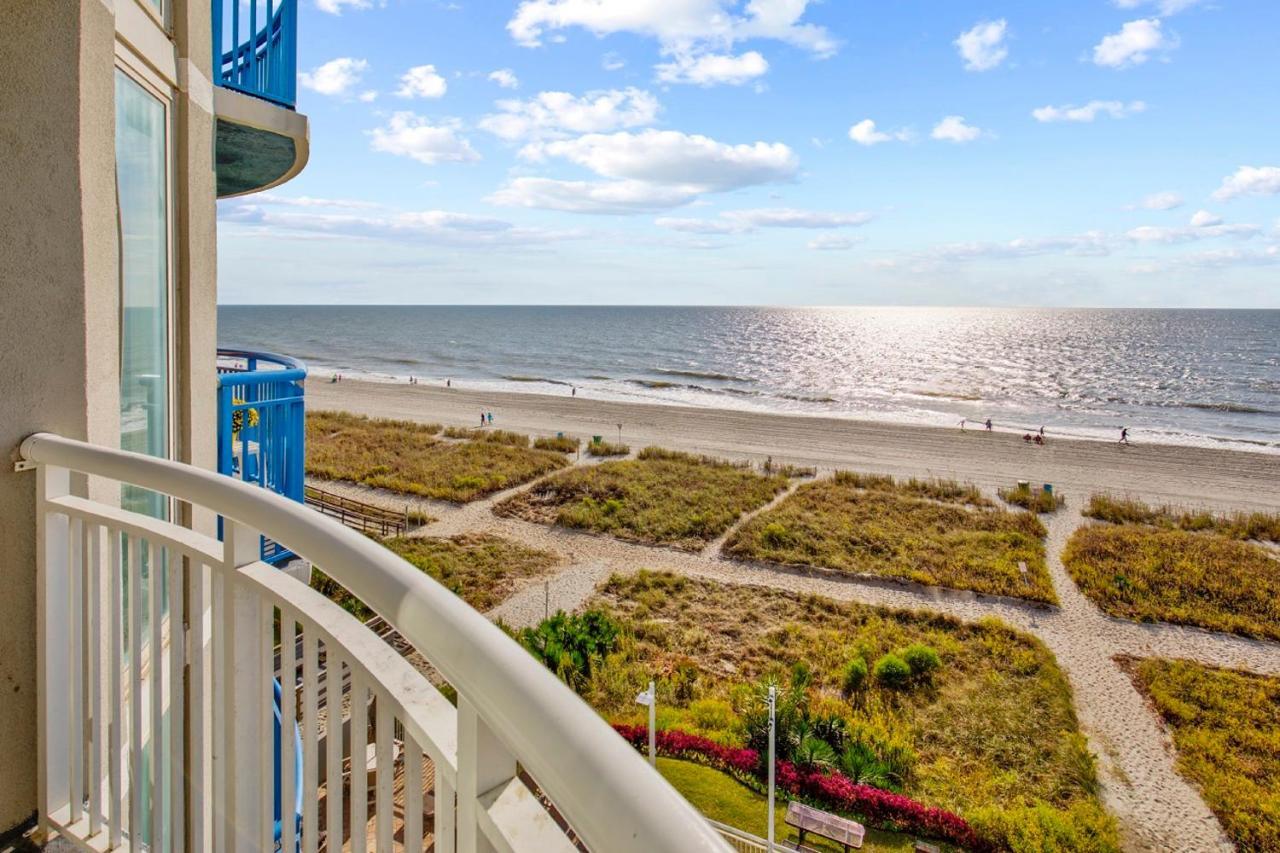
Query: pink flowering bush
[{"x": 830, "y": 789}]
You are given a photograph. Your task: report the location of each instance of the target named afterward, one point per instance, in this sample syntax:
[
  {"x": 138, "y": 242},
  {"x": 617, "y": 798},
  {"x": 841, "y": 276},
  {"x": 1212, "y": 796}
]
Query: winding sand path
[{"x": 1157, "y": 809}]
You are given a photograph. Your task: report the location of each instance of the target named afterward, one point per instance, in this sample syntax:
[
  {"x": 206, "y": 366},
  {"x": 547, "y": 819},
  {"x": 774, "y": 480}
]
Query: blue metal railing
[
  {"x": 255, "y": 48},
  {"x": 261, "y": 425}
]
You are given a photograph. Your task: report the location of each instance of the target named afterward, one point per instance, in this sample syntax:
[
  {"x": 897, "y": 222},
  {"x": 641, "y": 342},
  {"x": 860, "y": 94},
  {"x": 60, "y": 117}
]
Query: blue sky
[{"x": 1091, "y": 152}]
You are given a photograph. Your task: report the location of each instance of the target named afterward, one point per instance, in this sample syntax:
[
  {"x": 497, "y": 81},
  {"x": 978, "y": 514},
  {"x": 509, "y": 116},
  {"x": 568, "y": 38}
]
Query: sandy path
[{"x": 1157, "y": 809}]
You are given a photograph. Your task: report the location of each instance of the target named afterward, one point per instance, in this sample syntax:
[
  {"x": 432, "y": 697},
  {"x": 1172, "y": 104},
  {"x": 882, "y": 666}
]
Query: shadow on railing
[{"x": 255, "y": 48}]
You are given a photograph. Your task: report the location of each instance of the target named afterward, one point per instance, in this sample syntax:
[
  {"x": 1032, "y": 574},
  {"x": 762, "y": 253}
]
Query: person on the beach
[
  {"x": 1124, "y": 435},
  {"x": 448, "y": 383},
  {"x": 1026, "y": 436},
  {"x": 962, "y": 421},
  {"x": 988, "y": 424},
  {"x": 482, "y": 419},
  {"x": 573, "y": 390},
  {"x": 1042, "y": 432},
  {"x": 491, "y": 419},
  {"x": 333, "y": 379},
  {"x": 1040, "y": 436}
]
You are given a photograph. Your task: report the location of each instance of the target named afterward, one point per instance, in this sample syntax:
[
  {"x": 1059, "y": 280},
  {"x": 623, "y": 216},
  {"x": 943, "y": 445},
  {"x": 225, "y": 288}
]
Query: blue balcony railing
[
  {"x": 261, "y": 421},
  {"x": 255, "y": 48}
]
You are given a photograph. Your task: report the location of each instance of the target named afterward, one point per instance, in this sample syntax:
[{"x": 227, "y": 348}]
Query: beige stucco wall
[{"x": 59, "y": 303}]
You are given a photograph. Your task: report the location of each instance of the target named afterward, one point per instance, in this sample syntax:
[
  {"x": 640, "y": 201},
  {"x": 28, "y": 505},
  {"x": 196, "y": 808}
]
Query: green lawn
[{"x": 724, "y": 799}]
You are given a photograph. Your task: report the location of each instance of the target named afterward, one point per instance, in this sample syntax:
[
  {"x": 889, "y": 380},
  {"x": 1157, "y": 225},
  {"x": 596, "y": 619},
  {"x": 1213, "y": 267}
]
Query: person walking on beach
[
  {"x": 1124, "y": 435},
  {"x": 482, "y": 419},
  {"x": 988, "y": 424},
  {"x": 448, "y": 383},
  {"x": 491, "y": 419},
  {"x": 573, "y": 390},
  {"x": 962, "y": 422}
]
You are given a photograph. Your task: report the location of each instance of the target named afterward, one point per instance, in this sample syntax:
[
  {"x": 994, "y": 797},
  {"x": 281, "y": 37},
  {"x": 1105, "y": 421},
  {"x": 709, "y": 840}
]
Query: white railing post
[
  {"x": 484, "y": 763},
  {"x": 246, "y": 790},
  {"x": 52, "y": 650}
]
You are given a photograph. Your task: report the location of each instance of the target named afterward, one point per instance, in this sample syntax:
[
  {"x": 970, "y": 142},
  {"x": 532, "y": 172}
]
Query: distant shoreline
[{"x": 1222, "y": 479}]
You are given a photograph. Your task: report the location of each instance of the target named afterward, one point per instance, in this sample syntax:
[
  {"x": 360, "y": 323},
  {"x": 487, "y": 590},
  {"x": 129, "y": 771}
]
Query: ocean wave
[
  {"x": 799, "y": 398},
  {"x": 948, "y": 395},
  {"x": 537, "y": 379},
  {"x": 1233, "y": 408},
  {"x": 694, "y": 374}
]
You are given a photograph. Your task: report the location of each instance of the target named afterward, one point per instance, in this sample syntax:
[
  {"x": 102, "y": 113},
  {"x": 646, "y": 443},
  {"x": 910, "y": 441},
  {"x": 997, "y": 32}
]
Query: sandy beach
[{"x": 1218, "y": 479}]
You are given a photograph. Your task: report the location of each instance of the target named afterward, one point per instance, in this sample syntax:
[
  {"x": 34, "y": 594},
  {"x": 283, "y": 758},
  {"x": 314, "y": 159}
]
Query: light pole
[
  {"x": 650, "y": 698},
  {"x": 773, "y": 710}
]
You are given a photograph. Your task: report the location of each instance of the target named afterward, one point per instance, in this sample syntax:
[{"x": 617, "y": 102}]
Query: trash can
[
  {"x": 1048, "y": 488},
  {"x": 1024, "y": 485},
  {"x": 597, "y": 439}
]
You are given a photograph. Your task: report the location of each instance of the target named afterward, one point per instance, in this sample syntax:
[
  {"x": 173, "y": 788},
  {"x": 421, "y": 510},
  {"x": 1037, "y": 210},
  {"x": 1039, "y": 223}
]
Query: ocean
[{"x": 1205, "y": 378}]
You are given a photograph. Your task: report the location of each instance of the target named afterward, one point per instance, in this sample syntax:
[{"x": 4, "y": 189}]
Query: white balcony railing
[{"x": 160, "y": 648}]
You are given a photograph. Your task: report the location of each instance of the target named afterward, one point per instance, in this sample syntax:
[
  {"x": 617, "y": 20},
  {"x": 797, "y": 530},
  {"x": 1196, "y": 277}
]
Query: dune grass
[
  {"x": 1226, "y": 728},
  {"x": 1154, "y": 574},
  {"x": 724, "y": 799},
  {"x": 661, "y": 498},
  {"x": 1262, "y": 526},
  {"x": 930, "y": 532},
  {"x": 559, "y": 443},
  {"x": 480, "y": 569},
  {"x": 406, "y": 457},
  {"x": 993, "y": 736},
  {"x": 607, "y": 448},
  {"x": 1034, "y": 500}
]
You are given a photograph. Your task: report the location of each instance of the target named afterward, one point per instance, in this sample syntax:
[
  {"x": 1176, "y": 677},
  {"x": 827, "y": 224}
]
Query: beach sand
[{"x": 1202, "y": 477}]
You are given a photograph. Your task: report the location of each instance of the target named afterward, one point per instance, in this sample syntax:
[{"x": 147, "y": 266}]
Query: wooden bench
[{"x": 832, "y": 827}]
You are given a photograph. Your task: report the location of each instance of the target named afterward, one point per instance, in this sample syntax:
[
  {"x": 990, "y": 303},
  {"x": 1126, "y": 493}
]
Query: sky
[{"x": 780, "y": 152}]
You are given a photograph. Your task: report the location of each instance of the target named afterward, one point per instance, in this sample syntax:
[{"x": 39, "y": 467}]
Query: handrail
[
  {"x": 262, "y": 59},
  {"x": 605, "y": 789},
  {"x": 288, "y": 369}
]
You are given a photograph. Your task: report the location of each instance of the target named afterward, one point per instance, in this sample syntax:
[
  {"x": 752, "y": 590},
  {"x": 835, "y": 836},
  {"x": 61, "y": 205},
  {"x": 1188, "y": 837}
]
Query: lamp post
[
  {"x": 650, "y": 698},
  {"x": 773, "y": 709}
]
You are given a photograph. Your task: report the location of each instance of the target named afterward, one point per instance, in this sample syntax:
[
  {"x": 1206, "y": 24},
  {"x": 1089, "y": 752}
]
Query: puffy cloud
[
  {"x": 1249, "y": 180},
  {"x": 422, "y": 81},
  {"x": 983, "y": 47},
  {"x": 954, "y": 129},
  {"x": 742, "y": 221},
  {"x": 598, "y": 197},
  {"x": 368, "y": 96},
  {"x": 556, "y": 114},
  {"x": 1088, "y": 112},
  {"x": 1133, "y": 45},
  {"x": 865, "y": 133},
  {"x": 311, "y": 201},
  {"x": 679, "y": 25},
  {"x": 1159, "y": 201},
  {"x": 672, "y": 158},
  {"x": 832, "y": 243},
  {"x": 711, "y": 69},
  {"x": 1164, "y": 7},
  {"x": 411, "y": 135},
  {"x": 506, "y": 78},
  {"x": 334, "y": 7},
  {"x": 1088, "y": 244},
  {"x": 1202, "y": 226},
  {"x": 335, "y": 77},
  {"x": 699, "y": 226},
  {"x": 612, "y": 62}
]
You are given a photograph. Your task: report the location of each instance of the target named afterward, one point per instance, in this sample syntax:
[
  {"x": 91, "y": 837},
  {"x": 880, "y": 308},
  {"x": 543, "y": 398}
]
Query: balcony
[
  {"x": 262, "y": 141},
  {"x": 160, "y": 651}
]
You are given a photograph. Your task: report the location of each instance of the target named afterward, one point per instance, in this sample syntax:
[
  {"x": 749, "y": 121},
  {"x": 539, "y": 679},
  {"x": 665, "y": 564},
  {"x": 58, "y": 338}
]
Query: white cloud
[
  {"x": 983, "y": 47},
  {"x": 599, "y": 197},
  {"x": 334, "y": 7},
  {"x": 311, "y": 201},
  {"x": 557, "y": 114},
  {"x": 1250, "y": 180},
  {"x": 411, "y": 135},
  {"x": 865, "y": 133},
  {"x": 506, "y": 78},
  {"x": 1219, "y": 258},
  {"x": 711, "y": 69},
  {"x": 672, "y": 158},
  {"x": 422, "y": 81},
  {"x": 1202, "y": 226},
  {"x": 832, "y": 243},
  {"x": 335, "y": 77},
  {"x": 430, "y": 227},
  {"x": 1088, "y": 244},
  {"x": 612, "y": 62},
  {"x": 1133, "y": 45},
  {"x": 954, "y": 129},
  {"x": 368, "y": 96},
  {"x": 743, "y": 221},
  {"x": 1164, "y": 7},
  {"x": 1159, "y": 201},
  {"x": 1088, "y": 112},
  {"x": 694, "y": 26}
]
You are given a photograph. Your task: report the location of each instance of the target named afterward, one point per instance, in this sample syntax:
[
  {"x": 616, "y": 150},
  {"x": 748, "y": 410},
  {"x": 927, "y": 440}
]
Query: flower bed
[{"x": 831, "y": 789}]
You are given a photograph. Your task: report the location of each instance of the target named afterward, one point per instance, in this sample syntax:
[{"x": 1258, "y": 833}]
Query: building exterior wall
[{"x": 59, "y": 282}]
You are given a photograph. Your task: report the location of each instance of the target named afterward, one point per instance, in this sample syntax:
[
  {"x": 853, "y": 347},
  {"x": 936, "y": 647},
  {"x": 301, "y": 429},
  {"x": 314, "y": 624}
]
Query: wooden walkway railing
[{"x": 358, "y": 515}]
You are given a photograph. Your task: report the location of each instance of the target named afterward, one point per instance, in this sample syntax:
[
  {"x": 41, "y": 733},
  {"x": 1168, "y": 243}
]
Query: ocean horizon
[{"x": 1198, "y": 377}]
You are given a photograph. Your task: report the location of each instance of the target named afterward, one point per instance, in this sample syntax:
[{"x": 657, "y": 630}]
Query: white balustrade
[{"x": 160, "y": 649}]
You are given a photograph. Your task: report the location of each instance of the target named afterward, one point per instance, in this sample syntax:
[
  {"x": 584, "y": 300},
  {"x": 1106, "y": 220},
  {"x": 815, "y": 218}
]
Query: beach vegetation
[
  {"x": 788, "y": 470},
  {"x": 1226, "y": 730},
  {"x": 480, "y": 569},
  {"x": 607, "y": 448},
  {"x": 926, "y": 531},
  {"x": 1157, "y": 574},
  {"x": 988, "y": 734},
  {"x": 559, "y": 443},
  {"x": 661, "y": 497},
  {"x": 1034, "y": 500},
  {"x": 406, "y": 457},
  {"x": 1262, "y": 526}
]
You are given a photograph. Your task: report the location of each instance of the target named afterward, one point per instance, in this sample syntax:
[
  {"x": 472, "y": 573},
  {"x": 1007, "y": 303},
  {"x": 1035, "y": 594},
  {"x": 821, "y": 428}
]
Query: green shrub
[
  {"x": 854, "y": 677},
  {"x": 607, "y": 448},
  {"x": 1036, "y": 500},
  {"x": 892, "y": 671},
  {"x": 570, "y": 646},
  {"x": 775, "y": 535},
  {"x": 922, "y": 660},
  {"x": 560, "y": 444}
]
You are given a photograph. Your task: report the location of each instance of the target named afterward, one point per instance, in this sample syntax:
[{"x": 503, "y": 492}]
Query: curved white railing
[{"x": 112, "y": 669}]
